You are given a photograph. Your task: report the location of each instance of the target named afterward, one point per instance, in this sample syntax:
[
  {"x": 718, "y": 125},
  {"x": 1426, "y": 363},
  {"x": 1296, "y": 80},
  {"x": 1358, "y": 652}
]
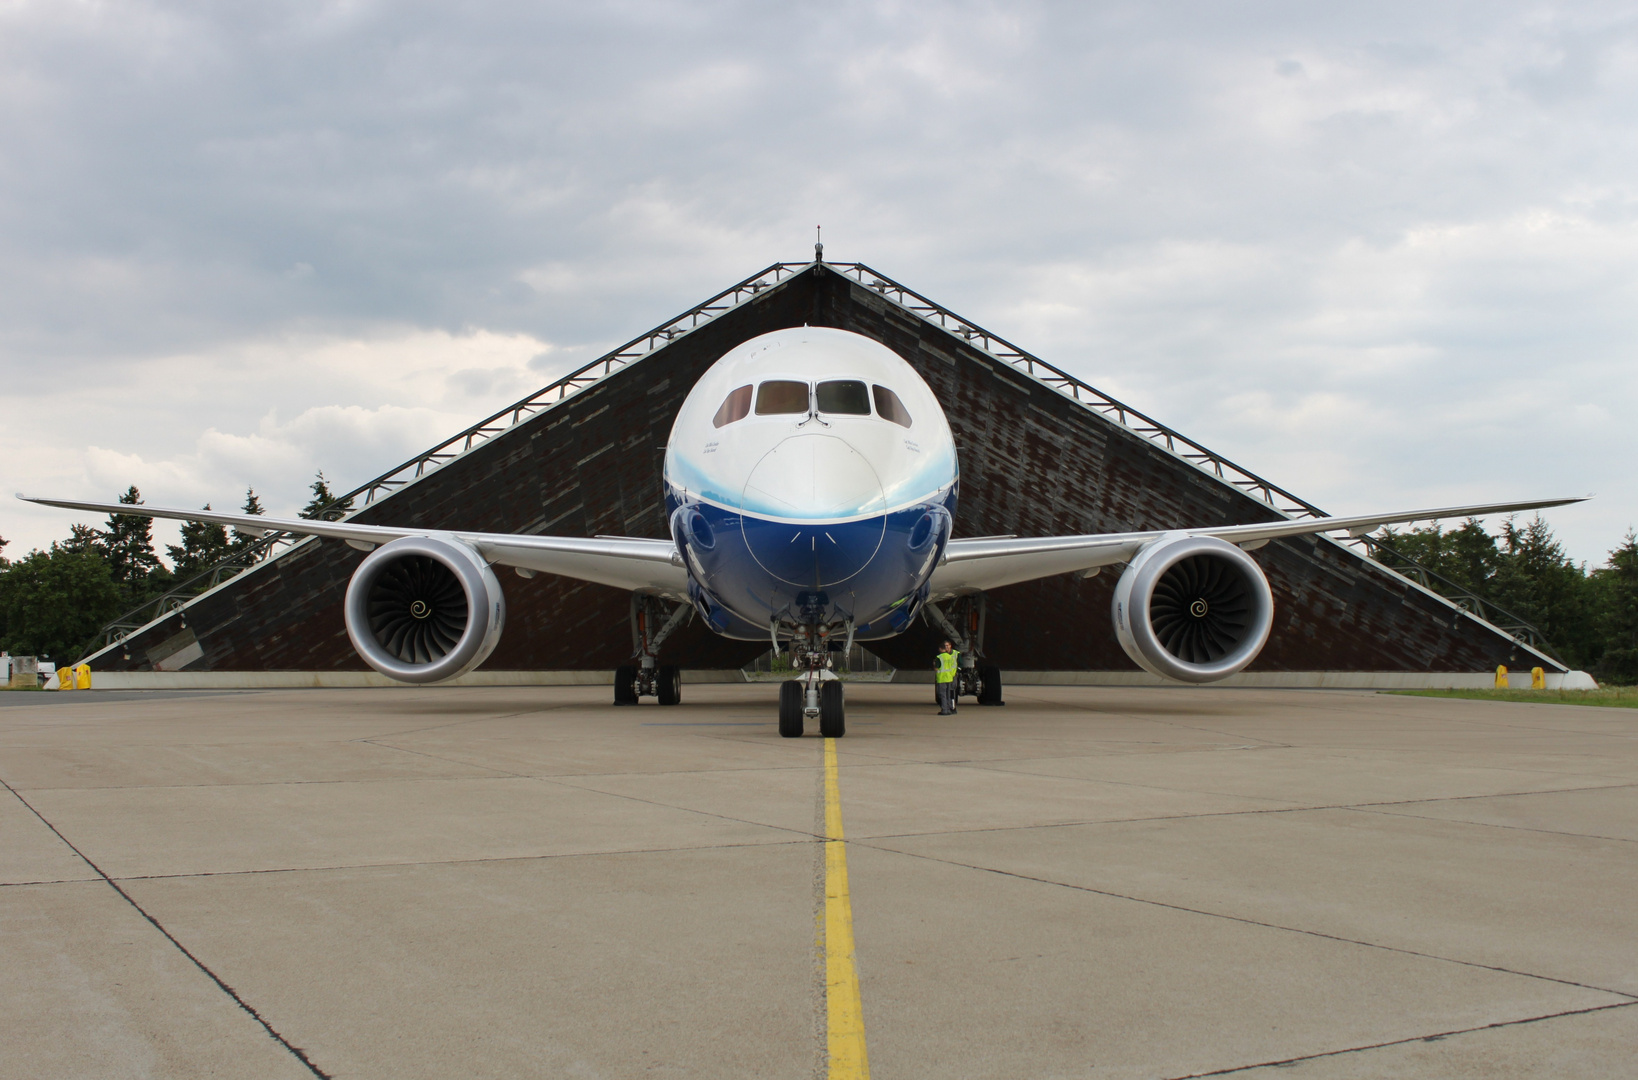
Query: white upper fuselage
[{"x": 812, "y": 466}]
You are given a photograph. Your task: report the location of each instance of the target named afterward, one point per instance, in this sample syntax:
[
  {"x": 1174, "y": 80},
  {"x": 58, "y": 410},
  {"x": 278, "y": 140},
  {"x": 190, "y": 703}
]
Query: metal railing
[
  {"x": 1460, "y": 595},
  {"x": 275, "y": 543},
  {"x": 1089, "y": 396},
  {"x": 1180, "y": 445},
  {"x": 181, "y": 592},
  {"x": 1174, "y": 442},
  {"x": 596, "y": 371}
]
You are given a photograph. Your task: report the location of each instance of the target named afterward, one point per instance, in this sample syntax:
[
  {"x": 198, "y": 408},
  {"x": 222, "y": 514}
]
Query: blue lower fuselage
[{"x": 749, "y": 573}]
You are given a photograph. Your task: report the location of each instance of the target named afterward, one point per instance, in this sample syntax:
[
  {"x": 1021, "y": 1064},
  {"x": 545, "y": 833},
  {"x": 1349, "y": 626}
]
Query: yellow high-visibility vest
[{"x": 947, "y": 666}]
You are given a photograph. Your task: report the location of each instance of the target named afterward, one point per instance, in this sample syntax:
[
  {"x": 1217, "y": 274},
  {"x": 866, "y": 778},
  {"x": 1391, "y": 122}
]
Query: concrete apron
[{"x": 1266, "y": 680}]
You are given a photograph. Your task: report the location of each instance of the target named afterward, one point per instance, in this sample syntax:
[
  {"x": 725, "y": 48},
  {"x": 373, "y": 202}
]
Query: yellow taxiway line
[{"x": 845, "y": 1016}]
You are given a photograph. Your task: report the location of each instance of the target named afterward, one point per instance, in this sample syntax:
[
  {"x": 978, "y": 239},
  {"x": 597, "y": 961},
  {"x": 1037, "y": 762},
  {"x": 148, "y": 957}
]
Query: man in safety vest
[{"x": 944, "y": 677}]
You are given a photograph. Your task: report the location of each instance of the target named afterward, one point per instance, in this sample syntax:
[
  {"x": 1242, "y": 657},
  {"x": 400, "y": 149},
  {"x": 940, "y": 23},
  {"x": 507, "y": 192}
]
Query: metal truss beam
[{"x": 1172, "y": 441}]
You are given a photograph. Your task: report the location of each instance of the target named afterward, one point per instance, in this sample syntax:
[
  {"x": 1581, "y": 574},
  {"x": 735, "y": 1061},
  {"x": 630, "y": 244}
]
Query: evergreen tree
[
  {"x": 324, "y": 503},
  {"x": 203, "y": 546},
  {"x": 128, "y": 545},
  {"x": 1466, "y": 556},
  {"x": 1536, "y": 581},
  {"x": 53, "y": 603},
  {"x": 1617, "y": 620},
  {"x": 1526, "y": 573},
  {"x": 4, "y": 562},
  {"x": 83, "y": 538},
  {"x": 252, "y": 506}
]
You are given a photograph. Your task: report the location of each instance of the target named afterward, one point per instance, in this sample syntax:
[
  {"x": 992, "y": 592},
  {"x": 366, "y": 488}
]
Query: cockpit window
[
  {"x": 889, "y": 407},
  {"x": 846, "y": 397},
  {"x": 734, "y": 407},
  {"x": 781, "y": 396}
]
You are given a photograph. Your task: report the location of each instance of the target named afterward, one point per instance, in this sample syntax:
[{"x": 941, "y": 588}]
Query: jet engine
[
  {"x": 1193, "y": 608},
  {"x": 423, "y": 609}
]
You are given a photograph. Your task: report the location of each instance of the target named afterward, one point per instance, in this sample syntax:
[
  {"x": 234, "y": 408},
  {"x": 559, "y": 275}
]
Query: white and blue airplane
[{"x": 811, "y": 483}]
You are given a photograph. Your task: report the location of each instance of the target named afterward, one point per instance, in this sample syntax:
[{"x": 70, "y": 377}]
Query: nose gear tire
[
  {"x": 790, "y": 709},
  {"x": 832, "y": 713}
]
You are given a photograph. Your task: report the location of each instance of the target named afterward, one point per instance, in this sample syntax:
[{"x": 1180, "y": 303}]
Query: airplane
[{"x": 810, "y": 482}]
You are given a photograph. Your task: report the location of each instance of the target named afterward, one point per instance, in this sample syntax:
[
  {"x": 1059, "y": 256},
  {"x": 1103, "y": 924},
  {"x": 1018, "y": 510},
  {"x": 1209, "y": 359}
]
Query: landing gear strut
[{"x": 647, "y": 677}]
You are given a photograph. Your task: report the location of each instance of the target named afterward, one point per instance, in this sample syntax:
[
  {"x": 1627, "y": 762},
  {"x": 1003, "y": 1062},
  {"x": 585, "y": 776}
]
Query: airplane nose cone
[
  {"x": 814, "y": 477},
  {"x": 819, "y": 479}
]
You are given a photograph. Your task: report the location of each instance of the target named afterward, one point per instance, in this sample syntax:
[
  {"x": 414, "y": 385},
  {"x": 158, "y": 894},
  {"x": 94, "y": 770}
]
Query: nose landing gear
[
  {"x": 818, "y": 696},
  {"x": 816, "y": 693}
]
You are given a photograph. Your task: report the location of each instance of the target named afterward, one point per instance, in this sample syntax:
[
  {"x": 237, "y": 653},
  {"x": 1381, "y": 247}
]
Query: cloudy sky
[{"x": 1384, "y": 254}]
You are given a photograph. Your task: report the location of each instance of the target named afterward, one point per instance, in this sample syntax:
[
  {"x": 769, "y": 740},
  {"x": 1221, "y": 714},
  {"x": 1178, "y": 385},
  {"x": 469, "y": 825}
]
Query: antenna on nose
[{"x": 818, "y": 244}]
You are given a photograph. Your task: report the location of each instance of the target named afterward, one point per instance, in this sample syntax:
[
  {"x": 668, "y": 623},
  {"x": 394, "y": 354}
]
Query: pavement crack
[
  {"x": 460, "y": 723},
  {"x": 1631, "y": 998},
  {"x": 1494, "y": 824},
  {"x": 297, "y": 1052},
  {"x": 1286, "y": 1062},
  {"x": 599, "y": 853},
  {"x": 1492, "y": 795},
  {"x": 50, "y": 881},
  {"x": 566, "y": 780}
]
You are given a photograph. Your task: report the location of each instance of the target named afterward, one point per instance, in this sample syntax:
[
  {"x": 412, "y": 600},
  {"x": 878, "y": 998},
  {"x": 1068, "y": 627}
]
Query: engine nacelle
[
  {"x": 423, "y": 610},
  {"x": 1193, "y": 608}
]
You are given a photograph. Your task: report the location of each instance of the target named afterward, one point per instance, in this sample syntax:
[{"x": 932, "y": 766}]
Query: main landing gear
[
  {"x": 661, "y": 681},
  {"x": 647, "y": 677},
  {"x": 982, "y": 681}
]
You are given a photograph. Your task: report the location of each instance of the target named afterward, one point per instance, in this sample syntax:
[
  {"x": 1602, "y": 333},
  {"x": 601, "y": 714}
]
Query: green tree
[
  {"x": 1468, "y": 555},
  {"x": 1537, "y": 581},
  {"x": 324, "y": 503},
  {"x": 128, "y": 545},
  {"x": 1524, "y": 571},
  {"x": 1617, "y": 618},
  {"x": 253, "y": 506},
  {"x": 52, "y": 603},
  {"x": 83, "y": 538},
  {"x": 203, "y": 546}
]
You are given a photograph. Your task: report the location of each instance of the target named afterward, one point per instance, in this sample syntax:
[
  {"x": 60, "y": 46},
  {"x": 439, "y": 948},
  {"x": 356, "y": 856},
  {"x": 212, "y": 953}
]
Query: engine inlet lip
[
  {"x": 1146, "y": 577},
  {"x": 466, "y": 571}
]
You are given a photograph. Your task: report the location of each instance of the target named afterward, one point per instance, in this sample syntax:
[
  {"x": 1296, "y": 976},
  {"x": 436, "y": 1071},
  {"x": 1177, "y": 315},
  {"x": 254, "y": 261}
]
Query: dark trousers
[{"x": 946, "y": 697}]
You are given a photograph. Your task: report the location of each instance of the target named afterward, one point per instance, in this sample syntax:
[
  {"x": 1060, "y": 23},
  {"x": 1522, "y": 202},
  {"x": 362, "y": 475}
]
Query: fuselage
[{"x": 811, "y": 480}]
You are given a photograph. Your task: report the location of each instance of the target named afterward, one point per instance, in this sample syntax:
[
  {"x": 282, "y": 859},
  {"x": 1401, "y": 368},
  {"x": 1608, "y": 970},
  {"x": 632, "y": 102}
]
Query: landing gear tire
[
  {"x": 832, "y": 712},
  {"x": 790, "y": 709},
  {"x": 989, "y": 685},
  {"x": 670, "y": 685},
  {"x": 625, "y": 690}
]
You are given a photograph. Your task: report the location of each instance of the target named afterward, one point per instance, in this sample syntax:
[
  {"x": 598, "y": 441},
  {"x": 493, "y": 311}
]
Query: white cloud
[
  {"x": 191, "y": 429},
  {"x": 1381, "y": 254}
]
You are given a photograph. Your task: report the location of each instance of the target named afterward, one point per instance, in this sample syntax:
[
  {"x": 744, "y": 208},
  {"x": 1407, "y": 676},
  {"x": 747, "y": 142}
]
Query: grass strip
[{"x": 1620, "y": 697}]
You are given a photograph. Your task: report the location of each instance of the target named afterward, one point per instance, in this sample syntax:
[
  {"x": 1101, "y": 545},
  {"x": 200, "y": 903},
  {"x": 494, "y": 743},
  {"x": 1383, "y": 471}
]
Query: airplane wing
[
  {"x": 623, "y": 562},
  {"x": 971, "y": 565}
]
